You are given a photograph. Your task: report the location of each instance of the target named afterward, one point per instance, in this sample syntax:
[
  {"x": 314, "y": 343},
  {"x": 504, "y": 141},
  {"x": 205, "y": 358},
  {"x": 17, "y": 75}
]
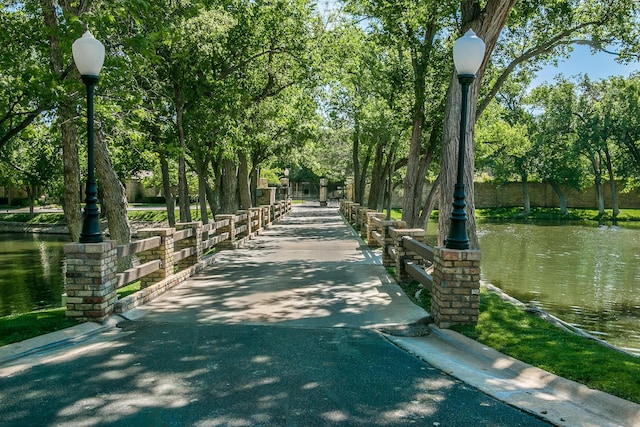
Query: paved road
[{"x": 282, "y": 333}]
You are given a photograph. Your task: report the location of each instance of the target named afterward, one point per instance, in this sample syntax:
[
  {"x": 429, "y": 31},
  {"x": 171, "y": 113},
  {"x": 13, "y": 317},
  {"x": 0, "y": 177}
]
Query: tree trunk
[
  {"x": 386, "y": 187},
  {"x": 429, "y": 204},
  {"x": 561, "y": 197},
  {"x": 114, "y": 197},
  {"x": 363, "y": 175},
  {"x": 355, "y": 151},
  {"x": 218, "y": 191},
  {"x": 183, "y": 186},
  {"x": 487, "y": 24},
  {"x": 31, "y": 191},
  {"x": 614, "y": 193},
  {"x": 410, "y": 206},
  {"x": 253, "y": 183},
  {"x": 597, "y": 172},
  {"x": 168, "y": 192},
  {"x": 525, "y": 194},
  {"x": 71, "y": 166},
  {"x": 202, "y": 198},
  {"x": 184, "y": 201},
  {"x": 71, "y": 198},
  {"x": 211, "y": 198},
  {"x": 229, "y": 188},
  {"x": 377, "y": 178},
  {"x": 243, "y": 181},
  {"x": 201, "y": 170}
]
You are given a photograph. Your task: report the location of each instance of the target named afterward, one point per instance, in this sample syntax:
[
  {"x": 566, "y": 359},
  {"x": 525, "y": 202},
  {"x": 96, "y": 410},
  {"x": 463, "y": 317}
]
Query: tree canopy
[{"x": 207, "y": 96}]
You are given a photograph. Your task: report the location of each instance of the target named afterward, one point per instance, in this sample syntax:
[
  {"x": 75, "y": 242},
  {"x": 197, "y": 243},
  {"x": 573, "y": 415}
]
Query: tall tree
[{"x": 538, "y": 31}]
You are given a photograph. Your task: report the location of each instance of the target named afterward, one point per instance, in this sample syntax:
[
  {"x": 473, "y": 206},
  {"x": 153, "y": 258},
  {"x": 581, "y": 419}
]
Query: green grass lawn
[
  {"x": 526, "y": 337},
  {"x": 20, "y": 327},
  {"x": 39, "y": 218},
  {"x": 131, "y": 288}
]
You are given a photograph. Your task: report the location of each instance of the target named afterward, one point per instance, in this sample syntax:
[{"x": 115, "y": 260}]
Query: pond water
[
  {"x": 587, "y": 276},
  {"x": 30, "y": 272}
]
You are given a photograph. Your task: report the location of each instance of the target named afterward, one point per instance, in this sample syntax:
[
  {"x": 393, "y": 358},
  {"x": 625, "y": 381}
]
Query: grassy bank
[
  {"x": 20, "y": 327},
  {"x": 526, "y": 337},
  {"x": 38, "y": 218},
  {"x": 542, "y": 214}
]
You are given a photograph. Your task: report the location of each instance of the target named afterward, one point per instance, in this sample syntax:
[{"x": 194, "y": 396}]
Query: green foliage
[{"x": 131, "y": 288}]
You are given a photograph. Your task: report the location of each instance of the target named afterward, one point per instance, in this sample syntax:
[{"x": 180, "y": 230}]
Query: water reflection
[
  {"x": 587, "y": 276},
  {"x": 30, "y": 272}
]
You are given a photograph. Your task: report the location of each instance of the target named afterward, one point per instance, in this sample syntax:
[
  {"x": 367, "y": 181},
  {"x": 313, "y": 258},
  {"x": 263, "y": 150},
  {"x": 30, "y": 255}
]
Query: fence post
[
  {"x": 195, "y": 241},
  {"x": 257, "y": 213},
  {"x": 353, "y": 209},
  {"x": 370, "y": 227},
  {"x": 403, "y": 254},
  {"x": 387, "y": 261},
  {"x": 230, "y": 228},
  {"x": 164, "y": 253},
  {"x": 456, "y": 287},
  {"x": 363, "y": 221},
  {"x": 91, "y": 280},
  {"x": 266, "y": 215}
]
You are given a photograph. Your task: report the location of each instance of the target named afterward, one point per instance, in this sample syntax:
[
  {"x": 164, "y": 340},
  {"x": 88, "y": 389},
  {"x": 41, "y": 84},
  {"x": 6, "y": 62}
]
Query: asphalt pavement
[{"x": 302, "y": 327}]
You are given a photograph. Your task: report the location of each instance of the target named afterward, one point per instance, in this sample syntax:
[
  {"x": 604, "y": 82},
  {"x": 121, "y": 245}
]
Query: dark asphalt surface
[
  {"x": 278, "y": 344},
  {"x": 161, "y": 374}
]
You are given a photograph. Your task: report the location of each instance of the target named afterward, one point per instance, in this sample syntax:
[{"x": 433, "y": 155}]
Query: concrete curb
[{"x": 557, "y": 400}]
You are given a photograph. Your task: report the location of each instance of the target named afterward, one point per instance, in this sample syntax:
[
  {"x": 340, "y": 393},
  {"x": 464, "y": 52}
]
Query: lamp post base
[{"x": 91, "y": 232}]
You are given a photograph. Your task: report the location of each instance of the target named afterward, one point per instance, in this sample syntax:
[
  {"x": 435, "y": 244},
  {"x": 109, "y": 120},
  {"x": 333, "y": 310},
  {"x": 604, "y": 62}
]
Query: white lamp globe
[
  {"x": 468, "y": 53},
  {"x": 88, "y": 54}
]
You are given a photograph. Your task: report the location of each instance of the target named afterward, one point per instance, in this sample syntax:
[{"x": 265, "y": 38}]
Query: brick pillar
[
  {"x": 229, "y": 228},
  {"x": 91, "y": 280},
  {"x": 387, "y": 260},
  {"x": 242, "y": 219},
  {"x": 195, "y": 241},
  {"x": 363, "y": 221},
  {"x": 164, "y": 253},
  {"x": 456, "y": 287},
  {"x": 403, "y": 254},
  {"x": 371, "y": 242},
  {"x": 257, "y": 214},
  {"x": 266, "y": 215},
  {"x": 351, "y": 216},
  {"x": 347, "y": 208}
]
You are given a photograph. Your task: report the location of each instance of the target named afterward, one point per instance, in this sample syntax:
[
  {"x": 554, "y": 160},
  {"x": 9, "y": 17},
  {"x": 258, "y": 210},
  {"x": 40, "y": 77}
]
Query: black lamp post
[
  {"x": 88, "y": 54},
  {"x": 288, "y": 184},
  {"x": 468, "y": 53}
]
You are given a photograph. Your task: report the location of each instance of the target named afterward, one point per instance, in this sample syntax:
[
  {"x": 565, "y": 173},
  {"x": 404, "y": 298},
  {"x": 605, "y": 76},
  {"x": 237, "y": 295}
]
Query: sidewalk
[{"x": 285, "y": 332}]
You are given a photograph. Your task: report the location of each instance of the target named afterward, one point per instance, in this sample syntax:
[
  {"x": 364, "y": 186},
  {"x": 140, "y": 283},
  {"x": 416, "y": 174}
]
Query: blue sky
[{"x": 599, "y": 66}]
